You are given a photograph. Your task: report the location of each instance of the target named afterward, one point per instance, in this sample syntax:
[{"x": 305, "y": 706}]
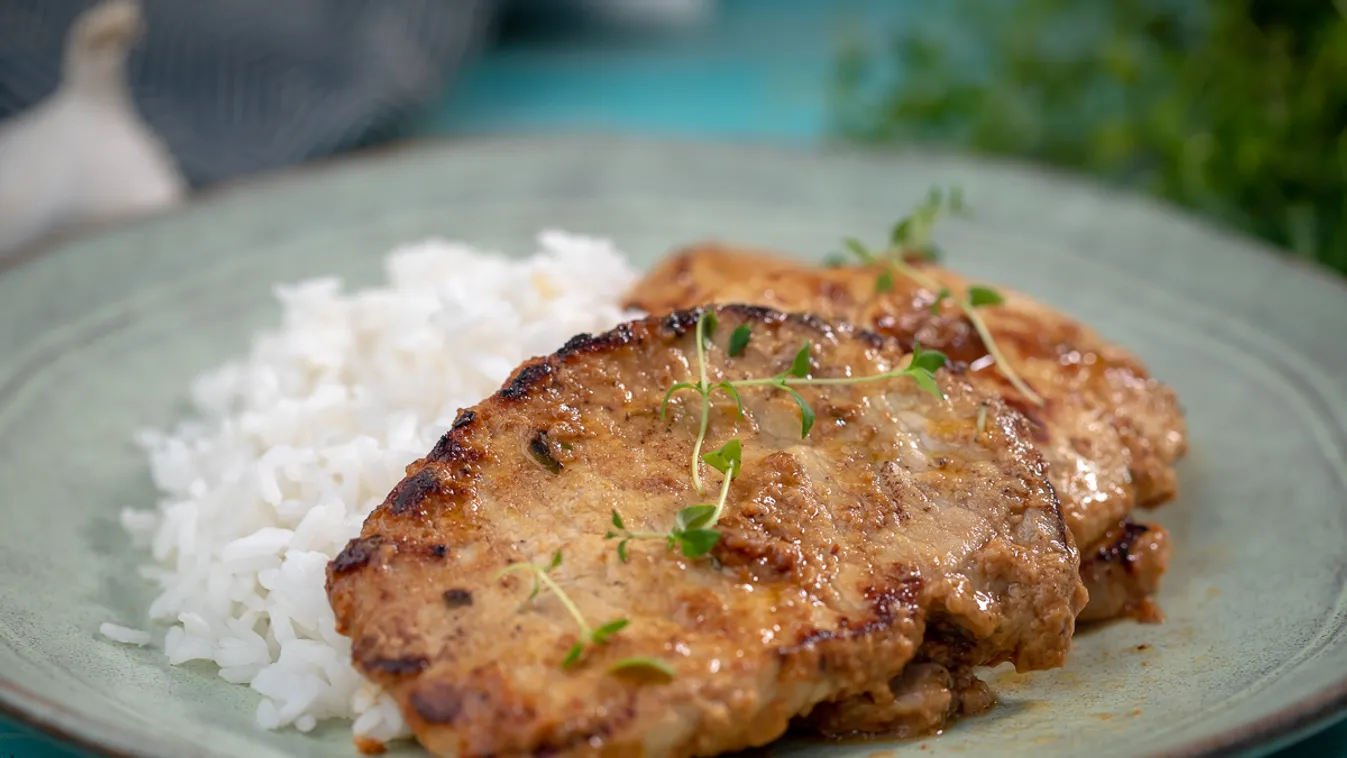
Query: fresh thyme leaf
[
  {"x": 985, "y": 333},
  {"x": 698, "y": 542},
  {"x": 617, "y": 520},
  {"x": 573, "y": 657},
  {"x": 940, "y": 297},
  {"x": 856, "y": 248},
  {"x": 806, "y": 413},
  {"x": 664, "y": 406},
  {"x": 926, "y": 381},
  {"x": 622, "y": 550},
  {"x": 979, "y": 296},
  {"x": 884, "y": 282},
  {"x": 602, "y": 634},
  {"x": 707, "y": 325},
  {"x": 694, "y": 517},
  {"x": 541, "y": 578},
  {"x": 800, "y": 366},
  {"x": 927, "y": 360},
  {"x": 732, "y": 392},
  {"x": 725, "y": 459},
  {"x": 739, "y": 340},
  {"x": 642, "y": 664},
  {"x": 902, "y": 232}
]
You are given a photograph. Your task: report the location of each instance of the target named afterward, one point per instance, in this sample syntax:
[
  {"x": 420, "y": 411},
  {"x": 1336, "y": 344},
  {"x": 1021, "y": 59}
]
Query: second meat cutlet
[{"x": 1110, "y": 432}]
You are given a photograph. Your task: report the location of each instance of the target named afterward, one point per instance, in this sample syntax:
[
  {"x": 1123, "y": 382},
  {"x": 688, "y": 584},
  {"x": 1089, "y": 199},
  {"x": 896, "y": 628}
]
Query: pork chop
[
  {"x": 1110, "y": 432},
  {"x": 903, "y": 525}
]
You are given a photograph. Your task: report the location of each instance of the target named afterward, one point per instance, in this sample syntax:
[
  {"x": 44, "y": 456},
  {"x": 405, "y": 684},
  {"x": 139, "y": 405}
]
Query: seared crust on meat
[
  {"x": 1110, "y": 432},
  {"x": 924, "y": 699},
  {"x": 897, "y": 517},
  {"x": 1122, "y": 570}
]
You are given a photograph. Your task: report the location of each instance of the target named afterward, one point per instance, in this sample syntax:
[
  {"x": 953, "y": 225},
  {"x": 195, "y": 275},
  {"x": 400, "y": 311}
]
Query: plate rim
[{"x": 1277, "y": 730}]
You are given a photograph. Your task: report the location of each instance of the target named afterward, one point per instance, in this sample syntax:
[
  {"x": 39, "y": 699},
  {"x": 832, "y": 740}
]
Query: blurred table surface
[{"x": 750, "y": 69}]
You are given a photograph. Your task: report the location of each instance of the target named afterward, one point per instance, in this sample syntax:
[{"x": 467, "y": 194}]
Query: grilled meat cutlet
[
  {"x": 1110, "y": 432},
  {"x": 902, "y": 526}
]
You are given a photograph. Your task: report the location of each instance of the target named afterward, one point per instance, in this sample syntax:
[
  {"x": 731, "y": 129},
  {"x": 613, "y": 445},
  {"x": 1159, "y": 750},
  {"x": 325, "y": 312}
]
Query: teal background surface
[{"x": 756, "y": 69}]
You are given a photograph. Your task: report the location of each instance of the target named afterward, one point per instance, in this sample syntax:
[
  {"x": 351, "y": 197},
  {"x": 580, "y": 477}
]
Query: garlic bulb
[{"x": 84, "y": 155}]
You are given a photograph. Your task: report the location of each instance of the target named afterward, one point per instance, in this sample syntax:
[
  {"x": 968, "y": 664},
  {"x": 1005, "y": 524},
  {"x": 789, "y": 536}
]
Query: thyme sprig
[
  {"x": 694, "y": 526},
  {"x": 542, "y": 579},
  {"x": 920, "y": 368},
  {"x": 912, "y": 234}
]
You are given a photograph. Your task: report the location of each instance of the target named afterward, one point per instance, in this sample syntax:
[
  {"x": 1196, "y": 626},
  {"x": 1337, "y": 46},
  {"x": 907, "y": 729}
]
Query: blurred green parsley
[{"x": 1236, "y": 109}]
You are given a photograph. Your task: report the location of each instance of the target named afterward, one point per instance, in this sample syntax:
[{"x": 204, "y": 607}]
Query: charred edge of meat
[
  {"x": 568, "y": 741},
  {"x": 815, "y": 637},
  {"x": 947, "y": 643},
  {"x": 813, "y": 321},
  {"x": 357, "y": 553},
  {"x": 438, "y": 702},
  {"x": 446, "y": 704},
  {"x": 479, "y": 696},
  {"x": 457, "y": 598},
  {"x": 532, "y": 375},
  {"x": 450, "y": 447},
  {"x": 1119, "y": 550},
  {"x": 404, "y": 666},
  {"x": 587, "y": 343},
  {"x": 885, "y": 600},
  {"x": 541, "y": 451},
  {"x": 526, "y": 379},
  {"x": 365, "y": 652},
  {"x": 413, "y": 490},
  {"x": 884, "y": 604},
  {"x": 676, "y": 324},
  {"x": 681, "y": 322}
]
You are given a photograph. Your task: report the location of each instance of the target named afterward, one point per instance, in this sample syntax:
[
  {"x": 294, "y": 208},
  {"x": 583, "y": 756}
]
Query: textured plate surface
[{"x": 100, "y": 337}]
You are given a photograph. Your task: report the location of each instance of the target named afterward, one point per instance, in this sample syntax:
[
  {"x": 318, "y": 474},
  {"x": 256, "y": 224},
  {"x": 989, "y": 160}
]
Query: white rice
[
  {"x": 124, "y": 634},
  {"x": 294, "y": 444}
]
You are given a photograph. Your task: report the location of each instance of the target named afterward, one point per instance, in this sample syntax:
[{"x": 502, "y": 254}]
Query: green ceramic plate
[{"x": 101, "y": 335}]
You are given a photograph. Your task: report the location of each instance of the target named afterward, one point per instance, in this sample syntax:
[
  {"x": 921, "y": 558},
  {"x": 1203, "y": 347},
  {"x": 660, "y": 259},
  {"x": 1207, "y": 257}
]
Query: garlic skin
[{"x": 84, "y": 155}]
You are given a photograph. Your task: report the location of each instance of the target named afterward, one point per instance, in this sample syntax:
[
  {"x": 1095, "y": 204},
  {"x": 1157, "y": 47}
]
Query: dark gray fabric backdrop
[{"x": 239, "y": 86}]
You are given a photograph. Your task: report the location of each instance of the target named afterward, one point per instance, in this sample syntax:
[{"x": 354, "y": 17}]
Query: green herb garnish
[
  {"x": 912, "y": 234},
  {"x": 542, "y": 578},
  {"x": 979, "y": 296},
  {"x": 642, "y": 664},
  {"x": 884, "y": 282},
  {"x": 694, "y": 526},
  {"x": 693, "y": 529},
  {"x": 739, "y": 340},
  {"x": 921, "y": 369}
]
